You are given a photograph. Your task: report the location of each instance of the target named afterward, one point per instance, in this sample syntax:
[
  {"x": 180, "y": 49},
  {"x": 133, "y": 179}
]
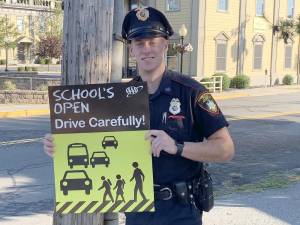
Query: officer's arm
[{"x": 218, "y": 147}]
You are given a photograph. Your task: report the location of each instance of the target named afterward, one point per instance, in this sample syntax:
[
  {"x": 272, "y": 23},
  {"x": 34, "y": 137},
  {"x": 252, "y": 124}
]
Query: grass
[{"x": 270, "y": 181}]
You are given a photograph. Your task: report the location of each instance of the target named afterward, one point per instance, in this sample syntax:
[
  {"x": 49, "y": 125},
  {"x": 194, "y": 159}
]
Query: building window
[
  {"x": 291, "y": 6},
  {"x": 260, "y": 7},
  {"x": 288, "y": 55},
  {"x": 258, "y": 45},
  {"x": 172, "y": 57},
  {"x": 31, "y": 25},
  {"x": 172, "y": 5},
  {"x": 136, "y": 3},
  {"x": 42, "y": 24},
  {"x": 221, "y": 51},
  {"x": 223, "y": 5},
  {"x": 20, "y": 24}
]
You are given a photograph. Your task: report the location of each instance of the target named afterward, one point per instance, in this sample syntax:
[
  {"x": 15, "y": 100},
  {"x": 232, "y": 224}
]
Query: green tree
[
  {"x": 287, "y": 29},
  {"x": 8, "y": 36},
  {"x": 50, "y": 23}
]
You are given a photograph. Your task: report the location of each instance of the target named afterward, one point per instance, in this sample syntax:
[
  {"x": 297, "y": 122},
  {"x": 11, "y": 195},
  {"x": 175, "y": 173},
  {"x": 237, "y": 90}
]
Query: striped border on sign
[{"x": 96, "y": 207}]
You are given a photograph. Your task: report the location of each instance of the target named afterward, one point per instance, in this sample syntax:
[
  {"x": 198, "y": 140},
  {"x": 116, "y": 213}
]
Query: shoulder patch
[{"x": 206, "y": 102}]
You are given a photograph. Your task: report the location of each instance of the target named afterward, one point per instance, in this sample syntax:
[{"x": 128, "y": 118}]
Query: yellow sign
[{"x": 102, "y": 161}]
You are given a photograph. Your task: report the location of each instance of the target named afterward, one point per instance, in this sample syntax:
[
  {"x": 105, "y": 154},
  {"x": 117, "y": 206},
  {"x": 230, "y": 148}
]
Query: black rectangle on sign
[{"x": 99, "y": 107}]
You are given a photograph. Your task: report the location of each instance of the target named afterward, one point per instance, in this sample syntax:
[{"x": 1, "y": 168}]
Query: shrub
[
  {"x": 226, "y": 80},
  {"x": 47, "y": 61},
  {"x": 2, "y": 61},
  {"x": 21, "y": 69},
  {"x": 240, "y": 81},
  {"x": 8, "y": 85},
  {"x": 42, "y": 87},
  {"x": 42, "y": 61},
  {"x": 28, "y": 68},
  {"x": 34, "y": 68},
  {"x": 288, "y": 79}
]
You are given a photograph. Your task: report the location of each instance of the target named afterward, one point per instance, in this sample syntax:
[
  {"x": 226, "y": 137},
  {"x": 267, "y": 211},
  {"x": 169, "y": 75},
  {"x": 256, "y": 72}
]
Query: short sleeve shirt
[{"x": 185, "y": 110}]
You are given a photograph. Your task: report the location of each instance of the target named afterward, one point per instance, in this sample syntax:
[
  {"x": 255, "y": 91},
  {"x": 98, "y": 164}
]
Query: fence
[
  {"x": 31, "y": 83},
  {"x": 214, "y": 84}
]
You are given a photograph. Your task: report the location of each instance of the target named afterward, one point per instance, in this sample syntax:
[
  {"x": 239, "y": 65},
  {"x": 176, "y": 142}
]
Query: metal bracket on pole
[
  {"x": 118, "y": 37},
  {"x": 111, "y": 219}
]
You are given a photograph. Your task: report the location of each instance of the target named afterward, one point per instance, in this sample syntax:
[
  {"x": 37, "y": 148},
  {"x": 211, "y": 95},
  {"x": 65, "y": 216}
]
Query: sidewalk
[
  {"x": 16, "y": 110},
  {"x": 271, "y": 207},
  {"x": 254, "y": 92}
]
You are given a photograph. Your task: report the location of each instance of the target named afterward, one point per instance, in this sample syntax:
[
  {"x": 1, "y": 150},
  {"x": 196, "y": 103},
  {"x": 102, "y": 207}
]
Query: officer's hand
[
  {"x": 160, "y": 140},
  {"x": 48, "y": 145}
]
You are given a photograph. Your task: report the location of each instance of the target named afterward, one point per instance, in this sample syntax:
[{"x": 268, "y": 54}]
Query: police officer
[{"x": 182, "y": 115}]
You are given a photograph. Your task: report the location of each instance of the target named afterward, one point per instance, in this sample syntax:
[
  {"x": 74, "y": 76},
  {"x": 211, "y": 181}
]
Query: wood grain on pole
[
  {"x": 87, "y": 54},
  {"x": 87, "y": 44}
]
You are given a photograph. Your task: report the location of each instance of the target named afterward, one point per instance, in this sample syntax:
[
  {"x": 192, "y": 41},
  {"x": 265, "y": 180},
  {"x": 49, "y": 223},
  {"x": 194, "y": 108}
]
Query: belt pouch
[{"x": 181, "y": 192}]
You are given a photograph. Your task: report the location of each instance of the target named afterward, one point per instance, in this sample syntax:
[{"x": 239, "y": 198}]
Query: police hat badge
[{"x": 142, "y": 14}]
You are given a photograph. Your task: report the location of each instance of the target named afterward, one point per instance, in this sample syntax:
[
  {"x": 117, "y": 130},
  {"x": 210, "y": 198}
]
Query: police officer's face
[{"x": 149, "y": 53}]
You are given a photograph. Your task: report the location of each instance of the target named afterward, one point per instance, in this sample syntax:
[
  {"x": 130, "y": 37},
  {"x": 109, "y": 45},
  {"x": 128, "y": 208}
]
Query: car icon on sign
[
  {"x": 78, "y": 155},
  {"x": 99, "y": 158},
  {"x": 76, "y": 180},
  {"x": 109, "y": 141}
]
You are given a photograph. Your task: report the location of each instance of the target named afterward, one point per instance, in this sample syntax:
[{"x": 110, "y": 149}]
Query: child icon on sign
[
  {"x": 120, "y": 187},
  {"x": 107, "y": 186}
]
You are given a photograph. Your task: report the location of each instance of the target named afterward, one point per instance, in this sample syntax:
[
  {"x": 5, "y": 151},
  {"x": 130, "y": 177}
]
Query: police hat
[{"x": 146, "y": 22}]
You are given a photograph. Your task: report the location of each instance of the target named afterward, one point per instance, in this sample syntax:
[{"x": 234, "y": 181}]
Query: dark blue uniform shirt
[
  {"x": 177, "y": 108},
  {"x": 186, "y": 111}
]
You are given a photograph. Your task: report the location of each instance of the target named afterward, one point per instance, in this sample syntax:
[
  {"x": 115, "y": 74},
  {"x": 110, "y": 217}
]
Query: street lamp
[{"x": 182, "y": 33}]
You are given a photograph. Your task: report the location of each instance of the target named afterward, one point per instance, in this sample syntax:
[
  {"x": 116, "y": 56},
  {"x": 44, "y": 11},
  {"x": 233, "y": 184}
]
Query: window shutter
[
  {"x": 288, "y": 57},
  {"x": 258, "y": 50},
  {"x": 221, "y": 57}
]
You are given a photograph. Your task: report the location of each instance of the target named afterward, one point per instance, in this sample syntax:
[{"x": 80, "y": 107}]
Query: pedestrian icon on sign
[
  {"x": 139, "y": 178},
  {"x": 106, "y": 185}
]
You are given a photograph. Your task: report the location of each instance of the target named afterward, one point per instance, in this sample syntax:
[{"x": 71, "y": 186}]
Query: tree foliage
[
  {"x": 288, "y": 28},
  {"x": 8, "y": 33},
  {"x": 49, "y": 47},
  {"x": 50, "y": 23}
]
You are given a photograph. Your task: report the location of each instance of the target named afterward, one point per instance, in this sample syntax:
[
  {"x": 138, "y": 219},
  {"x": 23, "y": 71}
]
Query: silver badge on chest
[{"x": 175, "y": 106}]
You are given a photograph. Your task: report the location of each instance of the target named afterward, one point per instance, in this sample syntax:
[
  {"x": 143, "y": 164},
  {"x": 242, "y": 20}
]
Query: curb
[
  {"x": 25, "y": 113},
  {"x": 242, "y": 95},
  {"x": 233, "y": 96}
]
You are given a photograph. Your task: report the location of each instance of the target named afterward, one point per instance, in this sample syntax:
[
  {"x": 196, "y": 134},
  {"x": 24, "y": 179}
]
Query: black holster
[{"x": 203, "y": 191}]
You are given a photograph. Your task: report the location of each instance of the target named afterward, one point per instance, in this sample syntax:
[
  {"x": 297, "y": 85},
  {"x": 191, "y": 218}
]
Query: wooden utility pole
[
  {"x": 87, "y": 56},
  {"x": 116, "y": 72},
  {"x": 118, "y": 46},
  {"x": 87, "y": 41}
]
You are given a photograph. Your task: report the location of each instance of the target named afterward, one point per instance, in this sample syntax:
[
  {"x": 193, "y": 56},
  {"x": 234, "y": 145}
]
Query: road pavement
[{"x": 266, "y": 133}]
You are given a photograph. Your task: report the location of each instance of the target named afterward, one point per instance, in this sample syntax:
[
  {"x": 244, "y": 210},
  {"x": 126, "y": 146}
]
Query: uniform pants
[{"x": 169, "y": 212}]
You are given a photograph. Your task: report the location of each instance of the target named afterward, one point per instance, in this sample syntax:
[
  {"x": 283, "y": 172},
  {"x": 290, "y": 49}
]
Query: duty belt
[
  {"x": 182, "y": 191},
  {"x": 163, "y": 192}
]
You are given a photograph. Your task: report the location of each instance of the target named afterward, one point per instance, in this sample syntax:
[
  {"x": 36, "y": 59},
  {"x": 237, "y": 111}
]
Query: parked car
[
  {"x": 109, "y": 141},
  {"x": 78, "y": 155},
  {"x": 76, "y": 180},
  {"x": 99, "y": 158}
]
